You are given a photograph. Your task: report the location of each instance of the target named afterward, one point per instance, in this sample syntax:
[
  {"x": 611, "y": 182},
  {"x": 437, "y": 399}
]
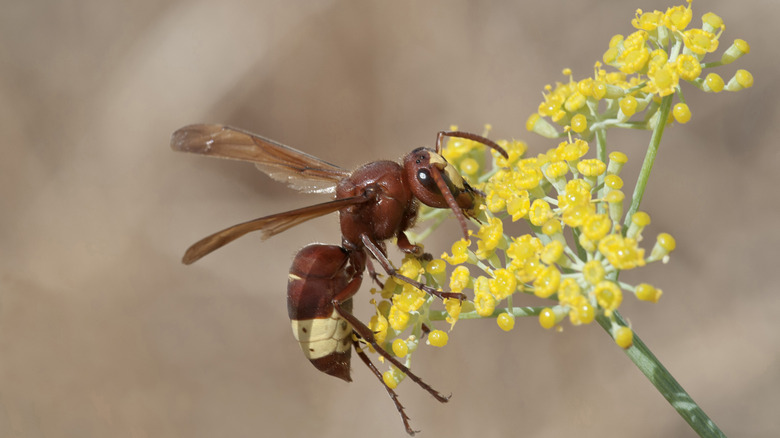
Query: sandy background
[{"x": 103, "y": 333}]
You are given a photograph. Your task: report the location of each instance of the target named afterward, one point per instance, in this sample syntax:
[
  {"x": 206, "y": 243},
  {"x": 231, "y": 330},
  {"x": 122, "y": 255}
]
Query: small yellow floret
[
  {"x": 390, "y": 379},
  {"x": 613, "y": 182},
  {"x": 579, "y": 123},
  {"x": 581, "y": 311},
  {"x": 400, "y": 349},
  {"x": 628, "y": 105},
  {"x": 506, "y": 321},
  {"x": 624, "y": 337},
  {"x": 608, "y": 295},
  {"x": 714, "y": 83},
  {"x": 547, "y": 318},
  {"x": 503, "y": 284},
  {"x": 540, "y": 212},
  {"x": 397, "y": 318},
  {"x": 622, "y": 253},
  {"x": 594, "y": 272},
  {"x": 592, "y": 167},
  {"x": 460, "y": 252},
  {"x": 552, "y": 252},
  {"x": 688, "y": 67},
  {"x": 646, "y": 292},
  {"x": 596, "y": 226},
  {"x": 460, "y": 279},
  {"x": 681, "y": 113},
  {"x": 438, "y": 338},
  {"x": 546, "y": 283}
]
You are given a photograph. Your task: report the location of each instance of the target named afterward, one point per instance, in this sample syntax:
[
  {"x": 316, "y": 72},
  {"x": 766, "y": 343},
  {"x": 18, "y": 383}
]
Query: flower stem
[
  {"x": 652, "y": 151},
  {"x": 660, "y": 377}
]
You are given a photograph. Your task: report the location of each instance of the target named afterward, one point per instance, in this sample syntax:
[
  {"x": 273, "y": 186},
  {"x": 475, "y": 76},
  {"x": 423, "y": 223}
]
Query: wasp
[{"x": 376, "y": 202}]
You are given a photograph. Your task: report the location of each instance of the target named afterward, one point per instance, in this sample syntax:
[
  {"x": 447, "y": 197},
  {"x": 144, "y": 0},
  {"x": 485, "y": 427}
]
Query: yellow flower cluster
[
  {"x": 572, "y": 201},
  {"x": 579, "y": 277},
  {"x": 650, "y": 63}
]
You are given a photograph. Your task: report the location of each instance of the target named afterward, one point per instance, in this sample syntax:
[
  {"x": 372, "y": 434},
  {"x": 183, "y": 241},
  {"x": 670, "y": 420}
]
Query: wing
[
  {"x": 269, "y": 225},
  {"x": 299, "y": 170}
]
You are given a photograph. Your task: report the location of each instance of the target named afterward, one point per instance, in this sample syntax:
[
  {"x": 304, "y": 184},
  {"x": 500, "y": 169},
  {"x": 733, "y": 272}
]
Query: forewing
[
  {"x": 269, "y": 225},
  {"x": 299, "y": 170}
]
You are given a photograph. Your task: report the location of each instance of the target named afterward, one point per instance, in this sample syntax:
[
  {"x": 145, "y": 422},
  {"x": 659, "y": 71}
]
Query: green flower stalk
[{"x": 584, "y": 229}]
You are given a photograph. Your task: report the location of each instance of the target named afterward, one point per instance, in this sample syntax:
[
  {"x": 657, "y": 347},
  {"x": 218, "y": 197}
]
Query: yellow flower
[
  {"x": 688, "y": 67},
  {"x": 622, "y": 253},
  {"x": 503, "y": 284},
  {"x": 647, "y": 20},
  {"x": 700, "y": 41},
  {"x": 608, "y": 295},
  {"x": 663, "y": 80},
  {"x": 678, "y": 17},
  {"x": 460, "y": 252}
]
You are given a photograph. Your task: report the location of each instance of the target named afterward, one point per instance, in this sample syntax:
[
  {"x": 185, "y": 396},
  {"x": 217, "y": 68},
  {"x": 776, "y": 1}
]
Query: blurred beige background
[{"x": 103, "y": 332}]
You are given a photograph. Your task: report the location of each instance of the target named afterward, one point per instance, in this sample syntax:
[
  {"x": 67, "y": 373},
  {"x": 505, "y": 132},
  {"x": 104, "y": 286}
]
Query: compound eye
[{"x": 425, "y": 178}]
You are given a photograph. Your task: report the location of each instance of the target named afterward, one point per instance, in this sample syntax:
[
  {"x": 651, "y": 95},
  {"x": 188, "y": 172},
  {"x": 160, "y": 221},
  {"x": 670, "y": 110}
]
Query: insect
[
  {"x": 376, "y": 202},
  {"x": 319, "y": 302}
]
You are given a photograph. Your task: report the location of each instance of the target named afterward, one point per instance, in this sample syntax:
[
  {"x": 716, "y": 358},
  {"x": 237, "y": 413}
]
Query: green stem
[
  {"x": 652, "y": 151},
  {"x": 660, "y": 377},
  {"x": 441, "y": 315}
]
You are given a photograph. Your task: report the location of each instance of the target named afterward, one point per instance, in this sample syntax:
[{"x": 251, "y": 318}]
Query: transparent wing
[
  {"x": 269, "y": 225},
  {"x": 299, "y": 170}
]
